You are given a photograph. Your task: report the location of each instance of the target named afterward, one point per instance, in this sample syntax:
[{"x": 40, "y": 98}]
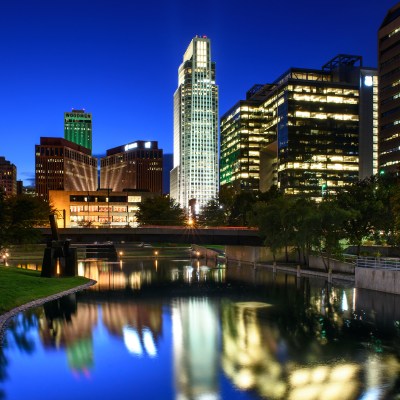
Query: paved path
[{"x": 4, "y": 318}]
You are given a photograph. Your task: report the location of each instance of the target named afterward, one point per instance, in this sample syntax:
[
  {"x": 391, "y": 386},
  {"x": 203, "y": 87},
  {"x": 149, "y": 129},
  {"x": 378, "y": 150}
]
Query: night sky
[{"x": 118, "y": 60}]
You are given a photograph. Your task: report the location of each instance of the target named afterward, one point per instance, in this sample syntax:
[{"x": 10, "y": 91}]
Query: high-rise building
[
  {"x": 194, "y": 178},
  {"x": 313, "y": 131},
  {"x": 136, "y": 165},
  {"x": 243, "y": 134},
  {"x": 78, "y": 128},
  {"x": 8, "y": 177},
  {"x": 389, "y": 91},
  {"x": 63, "y": 165}
]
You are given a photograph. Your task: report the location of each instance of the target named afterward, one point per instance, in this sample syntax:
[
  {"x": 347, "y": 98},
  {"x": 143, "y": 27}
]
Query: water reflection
[
  {"x": 135, "y": 274},
  {"x": 195, "y": 333},
  {"x": 204, "y": 331}
]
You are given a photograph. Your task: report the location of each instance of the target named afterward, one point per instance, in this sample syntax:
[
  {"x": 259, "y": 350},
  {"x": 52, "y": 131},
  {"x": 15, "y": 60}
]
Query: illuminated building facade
[
  {"x": 194, "y": 177},
  {"x": 319, "y": 128},
  {"x": 8, "y": 177},
  {"x": 63, "y": 165},
  {"x": 137, "y": 165},
  {"x": 96, "y": 208},
  {"x": 78, "y": 128},
  {"x": 389, "y": 91},
  {"x": 242, "y": 136}
]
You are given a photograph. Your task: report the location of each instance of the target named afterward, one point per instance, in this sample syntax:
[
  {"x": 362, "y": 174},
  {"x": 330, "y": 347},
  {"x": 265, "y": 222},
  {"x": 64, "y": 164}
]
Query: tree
[
  {"x": 304, "y": 219},
  {"x": 242, "y": 203},
  {"x": 365, "y": 207},
  {"x": 212, "y": 214},
  {"x": 160, "y": 210},
  {"x": 273, "y": 220},
  {"x": 329, "y": 227},
  {"x": 20, "y": 216}
]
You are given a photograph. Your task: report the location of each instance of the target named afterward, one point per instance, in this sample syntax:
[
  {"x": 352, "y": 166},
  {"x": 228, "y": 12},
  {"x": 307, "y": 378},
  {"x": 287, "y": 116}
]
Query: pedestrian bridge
[{"x": 161, "y": 234}]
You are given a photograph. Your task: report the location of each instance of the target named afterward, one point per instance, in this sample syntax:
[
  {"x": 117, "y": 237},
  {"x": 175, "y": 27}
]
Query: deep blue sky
[{"x": 118, "y": 59}]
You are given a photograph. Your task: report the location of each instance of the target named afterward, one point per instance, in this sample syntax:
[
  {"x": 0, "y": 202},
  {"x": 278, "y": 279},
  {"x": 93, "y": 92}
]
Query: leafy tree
[
  {"x": 213, "y": 214},
  {"x": 242, "y": 204},
  {"x": 160, "y": 210},
  {"x": 329, "y": 227},
  {"x": 366, "y": 209},
  {"x": 387, "y": 186},
  {"x": 20, "y": 216},
  {"x": 273, "y": 220},
  {"x": 304, "y": 220}
]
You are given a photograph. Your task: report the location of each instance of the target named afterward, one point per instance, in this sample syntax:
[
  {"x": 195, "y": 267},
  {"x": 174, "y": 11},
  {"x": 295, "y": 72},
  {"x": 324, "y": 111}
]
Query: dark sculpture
[{"x": 59, "y": 259}]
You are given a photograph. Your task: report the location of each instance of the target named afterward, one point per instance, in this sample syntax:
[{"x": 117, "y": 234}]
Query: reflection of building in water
[
  {"x": 248, "y": 356},
  {"x": 112, "y": 276},
  {"x": 258, "y": 356},
  {"x": 63, "y": 327},
  {"x": 195, "y": 329},
  {"x": 139, "y": 324}
]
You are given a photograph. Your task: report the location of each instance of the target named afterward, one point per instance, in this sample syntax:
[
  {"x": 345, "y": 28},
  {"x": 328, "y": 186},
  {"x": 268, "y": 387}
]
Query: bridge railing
[{"x": 378, "y": 262}]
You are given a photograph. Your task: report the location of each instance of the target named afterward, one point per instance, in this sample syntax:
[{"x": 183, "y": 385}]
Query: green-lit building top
[{"x": 78, "y": 128}]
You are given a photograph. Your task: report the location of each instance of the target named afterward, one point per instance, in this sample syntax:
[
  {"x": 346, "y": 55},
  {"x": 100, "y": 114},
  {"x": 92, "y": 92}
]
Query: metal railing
[{"x": 378, "y": 262}]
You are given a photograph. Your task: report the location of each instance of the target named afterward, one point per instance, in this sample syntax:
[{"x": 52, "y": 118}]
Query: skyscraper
[
  {"x": 78, "y": 128},
  {"x": 389, "y": 91},
  {"x": 194, "y": 177}
]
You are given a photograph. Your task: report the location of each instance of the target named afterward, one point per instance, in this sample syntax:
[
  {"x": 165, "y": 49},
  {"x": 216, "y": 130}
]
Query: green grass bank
[{"x": 20, "y": 286}]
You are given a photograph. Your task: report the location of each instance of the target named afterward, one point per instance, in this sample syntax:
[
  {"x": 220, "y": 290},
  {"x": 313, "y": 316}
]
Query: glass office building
[
  {"x": 316, "y": 131},
  {"x": 243, "y": 134},
  {"x": 194, "y": 177}
]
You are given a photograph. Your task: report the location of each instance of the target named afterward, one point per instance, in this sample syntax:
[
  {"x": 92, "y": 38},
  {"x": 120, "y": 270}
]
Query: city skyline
[{"x": 119, "y": 63}]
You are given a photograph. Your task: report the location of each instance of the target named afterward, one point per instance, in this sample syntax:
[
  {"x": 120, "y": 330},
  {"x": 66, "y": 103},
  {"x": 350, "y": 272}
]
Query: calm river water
[{"x": 179, "y": 329}]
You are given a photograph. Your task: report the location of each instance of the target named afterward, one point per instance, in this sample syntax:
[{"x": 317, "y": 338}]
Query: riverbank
[{"x": 22, "y": 289}]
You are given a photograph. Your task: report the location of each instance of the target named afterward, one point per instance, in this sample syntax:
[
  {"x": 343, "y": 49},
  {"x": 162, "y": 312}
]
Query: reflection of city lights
[
  {"x": 343, "y": 372},
  {"x": 244, "y": 379},
  {"x": 135, "y": 280},
  {"x": 371, "y": 394},
  {"x": 324, "y": 382},
  {"x": 300, "y": 377},
  {"x": 319, "y": 374},
  {"x": 252, "y": 304},
  {"x": 81, "y": 269},
  {"x": 132, "y": 340},
  {"x": 189, "y": 271},
  {"x": 148, "y": 342},
  {"x": 345, "y": 305}
]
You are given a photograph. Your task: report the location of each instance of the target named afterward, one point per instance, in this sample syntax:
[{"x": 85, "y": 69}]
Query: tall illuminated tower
[
  {"x": 194, "y": 177},
  {"x": 78, "y": 128}
]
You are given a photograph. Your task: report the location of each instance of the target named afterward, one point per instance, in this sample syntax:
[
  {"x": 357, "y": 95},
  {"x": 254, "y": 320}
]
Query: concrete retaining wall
[
  {"x": 316, "y": 262},
  {"x": 204, "y": 252},
  {"x": 383, "y": 280},
  {"x": 253, "y": 254}
]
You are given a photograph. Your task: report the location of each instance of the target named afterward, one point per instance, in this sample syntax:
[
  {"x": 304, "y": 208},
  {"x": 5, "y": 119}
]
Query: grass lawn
[{"x": 20, "y": 286}]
